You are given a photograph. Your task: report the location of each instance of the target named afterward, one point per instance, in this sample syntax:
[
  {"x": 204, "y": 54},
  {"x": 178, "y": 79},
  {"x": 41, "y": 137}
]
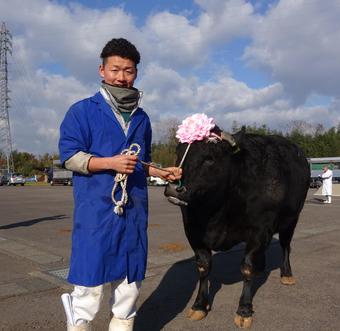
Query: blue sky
[
  {"x": 263, "y": 62},
  {"x": 142, "y": 9}
]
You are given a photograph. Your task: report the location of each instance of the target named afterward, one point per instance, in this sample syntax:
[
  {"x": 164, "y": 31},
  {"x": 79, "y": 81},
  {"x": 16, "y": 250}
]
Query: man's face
[{"x": 118, "y": 71}]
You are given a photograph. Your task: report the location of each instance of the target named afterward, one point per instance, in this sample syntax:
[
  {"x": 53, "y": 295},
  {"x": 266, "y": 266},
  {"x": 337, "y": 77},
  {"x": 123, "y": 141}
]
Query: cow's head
[{"x": 207, "y": 170}]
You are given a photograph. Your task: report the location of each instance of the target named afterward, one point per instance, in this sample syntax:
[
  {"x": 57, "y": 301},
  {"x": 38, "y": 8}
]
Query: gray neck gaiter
[{"x": 125, "y": 98}]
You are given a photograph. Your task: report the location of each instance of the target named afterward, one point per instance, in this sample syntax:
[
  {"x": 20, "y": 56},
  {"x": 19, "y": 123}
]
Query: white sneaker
[
  {"x": 117, "y": 324},
  {"x": 82, "y": 327}
]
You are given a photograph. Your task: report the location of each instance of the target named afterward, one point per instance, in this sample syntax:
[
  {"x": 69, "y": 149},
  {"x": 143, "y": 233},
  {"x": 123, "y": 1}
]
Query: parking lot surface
[{"x": 35, "y": 230}]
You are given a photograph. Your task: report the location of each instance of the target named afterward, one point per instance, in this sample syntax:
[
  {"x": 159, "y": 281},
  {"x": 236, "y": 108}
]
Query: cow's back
[{"x": 273, "y": 173}]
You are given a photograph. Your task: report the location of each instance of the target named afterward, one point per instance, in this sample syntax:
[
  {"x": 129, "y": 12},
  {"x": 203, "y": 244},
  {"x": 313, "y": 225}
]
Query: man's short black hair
[{"x": 120, "y": 47}]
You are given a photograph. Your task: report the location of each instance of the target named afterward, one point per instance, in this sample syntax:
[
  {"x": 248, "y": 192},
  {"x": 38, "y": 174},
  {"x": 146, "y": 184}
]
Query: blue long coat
[{"x": 105, "y": 246}]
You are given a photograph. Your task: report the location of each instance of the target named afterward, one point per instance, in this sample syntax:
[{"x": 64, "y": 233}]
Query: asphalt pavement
[{"x": 35, "y": 230}]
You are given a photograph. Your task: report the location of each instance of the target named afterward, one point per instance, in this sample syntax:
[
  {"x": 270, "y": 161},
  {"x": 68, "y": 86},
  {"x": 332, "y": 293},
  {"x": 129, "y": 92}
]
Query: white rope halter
[{"x": 121, "y": 179}]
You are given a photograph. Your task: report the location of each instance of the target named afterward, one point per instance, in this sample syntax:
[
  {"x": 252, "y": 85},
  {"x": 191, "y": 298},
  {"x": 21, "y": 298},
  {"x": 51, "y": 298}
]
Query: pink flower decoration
[{"x": 195, "y": 127}]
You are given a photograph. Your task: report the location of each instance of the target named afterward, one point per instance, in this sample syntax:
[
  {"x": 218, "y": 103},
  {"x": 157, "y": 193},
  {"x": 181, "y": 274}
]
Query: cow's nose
[{"x": 171, "y": 190}]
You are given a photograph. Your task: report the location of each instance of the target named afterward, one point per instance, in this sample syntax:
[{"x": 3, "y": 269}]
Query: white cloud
[
  {"x": 170, "y": 95},
  {"x": 167, "y": 93},
  {"x": 298, "y": 43},
  {"x": 179, "y": 42},
  {"x": 281, "y": 118},
  {"x": 169, "y": 34},
  {"x": 222, "y": 21},
  {"x": 39, "y": 107},
  {"x": 227, "y": 94},
  {"x": 72, "y": 37}
]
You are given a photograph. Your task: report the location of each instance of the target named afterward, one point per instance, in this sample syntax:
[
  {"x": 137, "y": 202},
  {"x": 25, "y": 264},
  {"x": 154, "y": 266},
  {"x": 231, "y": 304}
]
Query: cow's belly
[{"x": 221, "y": 240}]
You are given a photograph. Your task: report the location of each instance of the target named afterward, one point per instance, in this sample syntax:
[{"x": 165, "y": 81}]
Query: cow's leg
[
  {"x": 200, "y": 308},
  {"x": 286, "y": 236},
  {"x": 253, "y": 265}
]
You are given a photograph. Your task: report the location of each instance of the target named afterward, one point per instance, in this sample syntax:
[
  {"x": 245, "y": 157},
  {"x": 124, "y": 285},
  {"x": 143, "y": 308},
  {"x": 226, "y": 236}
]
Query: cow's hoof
[
  {"x": 196, "y": 315},
  {"x": 288, "y": 280},
  {"x": 243, "y": 322}
]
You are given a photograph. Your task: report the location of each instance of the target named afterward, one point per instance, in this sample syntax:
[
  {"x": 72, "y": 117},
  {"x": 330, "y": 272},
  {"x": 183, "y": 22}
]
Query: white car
[
  {"x": 156, "y": 181},
  {"x": 16, "y": 179}
]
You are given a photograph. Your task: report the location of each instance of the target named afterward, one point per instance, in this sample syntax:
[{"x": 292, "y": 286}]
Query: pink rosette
[{"x": 195, "y": 127}]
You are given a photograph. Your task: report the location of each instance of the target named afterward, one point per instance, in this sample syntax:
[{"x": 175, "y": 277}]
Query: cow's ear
[
  {"x": 240, "y": 135},
  {"x": 238, "y": 138},
  {"x": 216, "y": 130}
]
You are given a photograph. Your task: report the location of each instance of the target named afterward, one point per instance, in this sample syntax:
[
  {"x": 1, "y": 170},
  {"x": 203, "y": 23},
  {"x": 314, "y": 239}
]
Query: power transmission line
[{"x": 5, "y": 130}]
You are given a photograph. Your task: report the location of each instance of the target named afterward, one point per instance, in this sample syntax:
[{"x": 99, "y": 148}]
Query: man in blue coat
[{"x": 109, "y": 245}]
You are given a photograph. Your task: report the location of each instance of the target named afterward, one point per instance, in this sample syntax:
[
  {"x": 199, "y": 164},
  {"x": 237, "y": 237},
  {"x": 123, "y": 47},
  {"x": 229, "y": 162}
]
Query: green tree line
[
  {"x": 29, "y": 164},
  {"x": 315, "y": 141}
]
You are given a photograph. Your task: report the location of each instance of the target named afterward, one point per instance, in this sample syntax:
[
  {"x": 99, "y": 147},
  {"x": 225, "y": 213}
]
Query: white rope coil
[{"x": 121, "y": 179}]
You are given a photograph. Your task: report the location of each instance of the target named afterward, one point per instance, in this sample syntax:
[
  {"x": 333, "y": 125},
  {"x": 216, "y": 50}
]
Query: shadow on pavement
[
  {"x": 316, "y": 201},
  {"x": 176, "y": 288},
  {"x": 32, "y": 222}
]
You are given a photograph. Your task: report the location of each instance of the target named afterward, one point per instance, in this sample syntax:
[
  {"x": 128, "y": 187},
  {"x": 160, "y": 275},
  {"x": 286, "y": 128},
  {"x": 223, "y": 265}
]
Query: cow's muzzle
[{"x": 173, "y": 192}]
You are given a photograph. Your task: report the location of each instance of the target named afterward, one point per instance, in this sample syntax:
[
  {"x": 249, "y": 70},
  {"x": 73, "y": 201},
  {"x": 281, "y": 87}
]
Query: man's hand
[
  {"x": 174, "y": 174},
  {"x": 124, "y": 164},
  {"x": 169, "y": 174}
]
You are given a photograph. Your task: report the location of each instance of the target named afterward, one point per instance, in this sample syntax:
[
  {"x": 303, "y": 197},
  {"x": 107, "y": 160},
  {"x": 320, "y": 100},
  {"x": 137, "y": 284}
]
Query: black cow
[{"x": 244, "y": 188}]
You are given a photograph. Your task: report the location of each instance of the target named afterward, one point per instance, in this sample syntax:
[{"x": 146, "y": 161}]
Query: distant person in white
[{"x": 327, "y": 176}]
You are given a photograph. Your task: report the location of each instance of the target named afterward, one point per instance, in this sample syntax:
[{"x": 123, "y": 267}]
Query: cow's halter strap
[
  {"x": 230, "y": 140},
  {"x": 213, "y": 135}
]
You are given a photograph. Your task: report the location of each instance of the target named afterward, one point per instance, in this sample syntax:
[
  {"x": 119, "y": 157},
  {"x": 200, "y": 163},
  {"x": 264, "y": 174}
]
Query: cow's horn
[{"x": 230, "y": 139}]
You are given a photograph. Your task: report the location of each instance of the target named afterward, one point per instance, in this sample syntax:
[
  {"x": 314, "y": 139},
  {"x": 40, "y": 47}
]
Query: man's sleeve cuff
[{"x": 79, "y": 163}]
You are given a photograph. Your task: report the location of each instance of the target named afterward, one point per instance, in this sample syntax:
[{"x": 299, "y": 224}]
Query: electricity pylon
[{"x": 5, "y": 129}]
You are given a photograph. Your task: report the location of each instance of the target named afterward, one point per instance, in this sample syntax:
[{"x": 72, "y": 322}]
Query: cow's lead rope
[{"x": 121, "y": 179}]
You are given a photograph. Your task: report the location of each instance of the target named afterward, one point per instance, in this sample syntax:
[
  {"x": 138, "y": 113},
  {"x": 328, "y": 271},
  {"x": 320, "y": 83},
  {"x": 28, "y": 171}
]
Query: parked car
[
  {"x": 336, "y": 180},
  {"x": 3, "y": 180},
  {"x": 156, "y": 181},
  {"x": 32, "y": 179},
  {"x": 16, "y": 179},
  {"x": 59, "y": 175}
]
